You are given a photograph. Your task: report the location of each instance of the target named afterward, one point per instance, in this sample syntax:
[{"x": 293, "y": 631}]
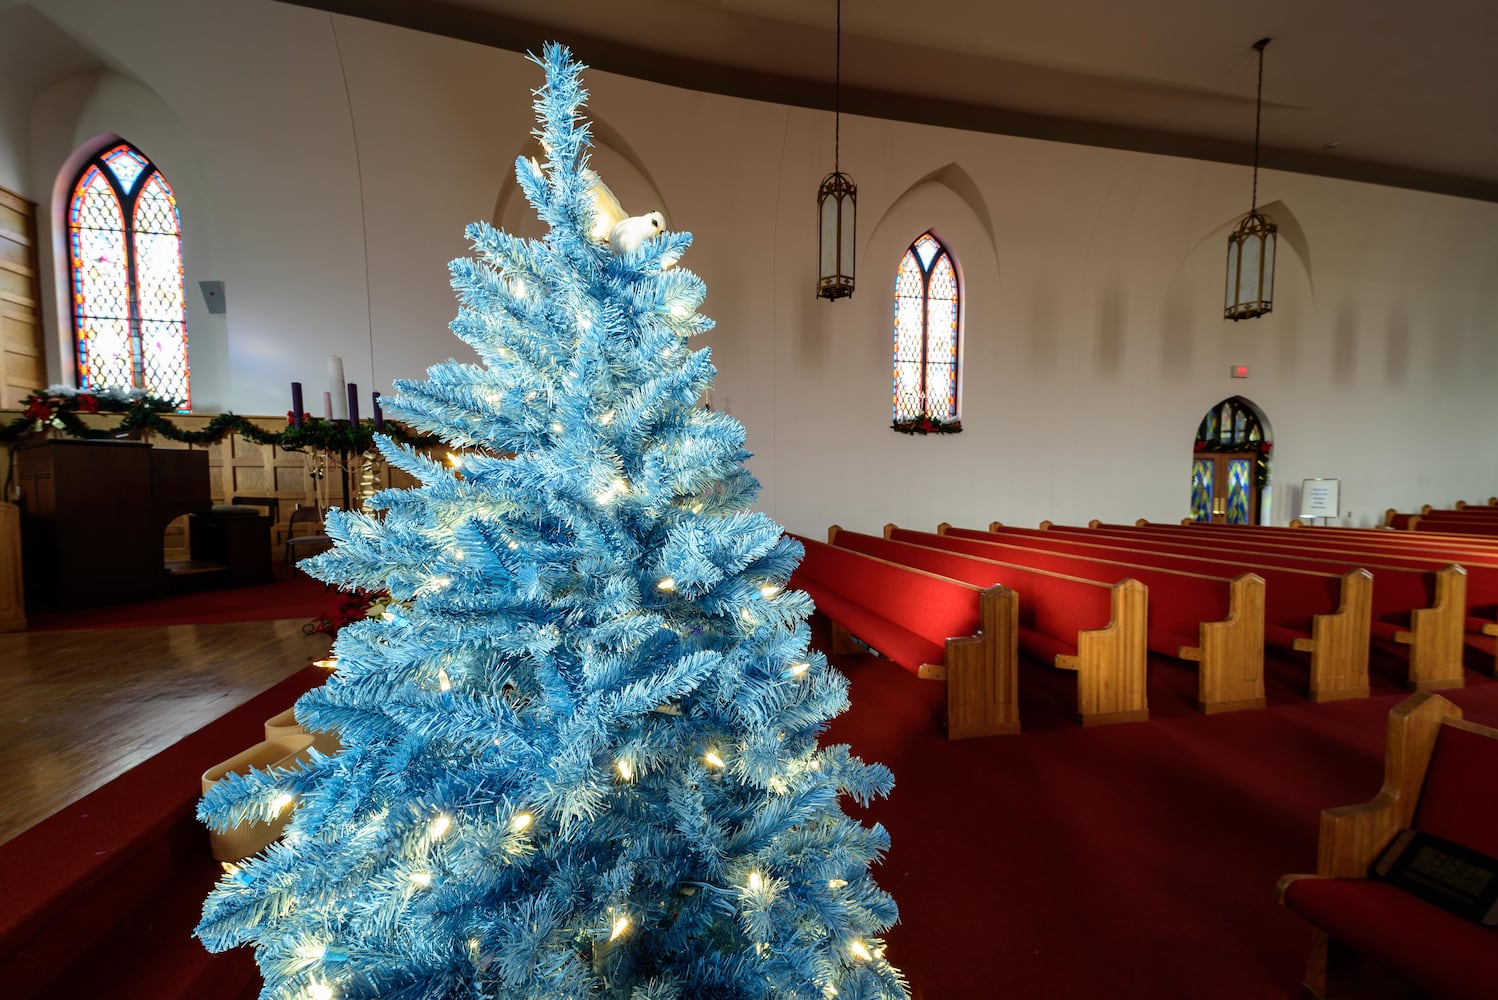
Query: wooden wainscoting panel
[
  {"x": 247, "y": 467},
  {"x": 21, "y": 352},
  {"x": 238, "y": 467},
  {"x": 12, "y": 589}
]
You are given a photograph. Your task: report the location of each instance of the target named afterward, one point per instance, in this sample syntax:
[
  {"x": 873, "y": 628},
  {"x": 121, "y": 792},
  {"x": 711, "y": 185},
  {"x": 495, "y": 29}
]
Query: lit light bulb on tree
[{"x": 591, "y": 462}]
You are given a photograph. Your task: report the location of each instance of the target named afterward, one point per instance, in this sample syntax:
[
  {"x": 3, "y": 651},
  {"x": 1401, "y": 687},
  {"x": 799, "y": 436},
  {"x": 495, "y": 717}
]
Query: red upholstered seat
[
  {"x": 1441, "y": 954},
  {"x": 1440, "y": 778}
]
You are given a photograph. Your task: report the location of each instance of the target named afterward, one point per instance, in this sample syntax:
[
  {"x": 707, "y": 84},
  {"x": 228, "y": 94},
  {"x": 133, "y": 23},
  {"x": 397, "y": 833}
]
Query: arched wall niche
[
  {"x": 1195, "y": 341},
  {"x": 71, "y": 121},
  {"x": 614, "y": 160},
  {"x": 1292, "y": 237},
  {"x": 960, "y": 183},
  {"x": 947, "y": 203}
]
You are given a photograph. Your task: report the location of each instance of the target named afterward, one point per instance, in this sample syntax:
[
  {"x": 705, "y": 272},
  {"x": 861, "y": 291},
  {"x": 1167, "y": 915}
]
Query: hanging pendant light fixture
[
  {"x": 837, "y": 203},
  {"x": 1250, "y": 285}
]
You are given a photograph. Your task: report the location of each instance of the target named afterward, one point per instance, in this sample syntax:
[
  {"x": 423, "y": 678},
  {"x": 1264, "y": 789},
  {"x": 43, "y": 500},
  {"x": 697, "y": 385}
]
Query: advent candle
[
  {"x": 336, "y": 387},
  {"x": 353, "y": 403},
  {"x": 296, "y": 404},
  {"x": 379, "y": 414},
  {"x": 327, "y": 406}
]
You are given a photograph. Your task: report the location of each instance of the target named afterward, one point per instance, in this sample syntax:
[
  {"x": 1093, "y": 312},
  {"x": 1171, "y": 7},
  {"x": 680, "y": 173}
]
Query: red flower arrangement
[
  {"x": 348, "y": 607},
  {"x": 925, "y": 425}
]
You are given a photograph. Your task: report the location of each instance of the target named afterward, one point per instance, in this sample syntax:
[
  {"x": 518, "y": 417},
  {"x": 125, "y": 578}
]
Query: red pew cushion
[{"x": 1438, "y": 952}]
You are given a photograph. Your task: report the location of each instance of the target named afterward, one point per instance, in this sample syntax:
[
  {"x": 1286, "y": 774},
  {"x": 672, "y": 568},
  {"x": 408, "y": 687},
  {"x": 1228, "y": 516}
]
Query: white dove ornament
[{"x": 627, "y": 236}]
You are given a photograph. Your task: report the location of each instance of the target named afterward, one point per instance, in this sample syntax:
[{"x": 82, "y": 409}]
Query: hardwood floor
[{"x": 81, "y": 708}]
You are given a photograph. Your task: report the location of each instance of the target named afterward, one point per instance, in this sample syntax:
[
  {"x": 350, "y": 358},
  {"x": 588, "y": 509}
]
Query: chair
[
  {"x": 305, "y": 535},
  {"x": 1441, "y": 779}
]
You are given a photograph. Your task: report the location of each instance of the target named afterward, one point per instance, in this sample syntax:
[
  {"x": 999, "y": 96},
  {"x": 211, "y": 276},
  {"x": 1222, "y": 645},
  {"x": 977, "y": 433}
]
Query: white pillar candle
[{"x": 337, "y": 388}]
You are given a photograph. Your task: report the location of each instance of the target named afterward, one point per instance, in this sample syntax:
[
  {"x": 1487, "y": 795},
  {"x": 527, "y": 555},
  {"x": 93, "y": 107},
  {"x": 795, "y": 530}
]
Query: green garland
[
  {"x": 63, "y": 411},
  {"x": 925, "y": 425}
]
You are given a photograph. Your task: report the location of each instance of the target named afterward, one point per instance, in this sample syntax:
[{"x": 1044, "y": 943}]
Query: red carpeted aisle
[
  {"x": 1124, "y": 861},
  {"x": 294, "y": 595}
]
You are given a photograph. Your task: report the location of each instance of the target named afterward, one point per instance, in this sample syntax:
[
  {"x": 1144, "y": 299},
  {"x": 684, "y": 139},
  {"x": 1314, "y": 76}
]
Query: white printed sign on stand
[{"x": 1320, "y": 497}]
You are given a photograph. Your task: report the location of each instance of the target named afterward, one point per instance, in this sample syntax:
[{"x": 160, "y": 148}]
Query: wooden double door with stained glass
[{"x": 1224, "y": 488}]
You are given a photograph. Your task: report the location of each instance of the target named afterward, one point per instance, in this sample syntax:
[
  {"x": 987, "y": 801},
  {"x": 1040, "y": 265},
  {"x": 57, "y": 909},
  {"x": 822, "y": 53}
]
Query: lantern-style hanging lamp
[
  {"x": 837, "y": 203},
  {"x": 1250, "y": 284}
]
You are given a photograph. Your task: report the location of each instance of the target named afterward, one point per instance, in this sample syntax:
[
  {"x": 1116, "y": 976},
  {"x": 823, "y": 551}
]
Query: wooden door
[{"x": 1224, "y": 487}]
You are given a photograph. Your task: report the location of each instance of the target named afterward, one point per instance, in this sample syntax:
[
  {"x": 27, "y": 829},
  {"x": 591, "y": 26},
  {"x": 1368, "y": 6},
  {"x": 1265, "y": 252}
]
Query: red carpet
[
  {"x": 1126, "y": 861},
  {"x": 297, "y": 597}
]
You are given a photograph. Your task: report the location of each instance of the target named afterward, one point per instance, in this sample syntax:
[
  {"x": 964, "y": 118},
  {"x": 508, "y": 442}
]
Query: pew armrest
[
  {"x": 982, "y": 671},
  {"x": 1112, "y": 661},
  {"x": 1352, "y": 836},
  {"x": 1367, "y": 929}
]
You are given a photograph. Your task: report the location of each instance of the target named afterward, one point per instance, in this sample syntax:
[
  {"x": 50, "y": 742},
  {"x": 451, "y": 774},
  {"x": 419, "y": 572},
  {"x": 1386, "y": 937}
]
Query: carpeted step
[
  {"x": 82, "y": 878},
  {"x": 151, "y": 954}
]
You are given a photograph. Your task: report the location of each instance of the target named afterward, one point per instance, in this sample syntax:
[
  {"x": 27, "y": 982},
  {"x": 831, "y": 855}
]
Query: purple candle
[
  {"x": 379, "y": 414},
  {"x": 296, "y": 404},
  {"x": 353, "y": 403}
]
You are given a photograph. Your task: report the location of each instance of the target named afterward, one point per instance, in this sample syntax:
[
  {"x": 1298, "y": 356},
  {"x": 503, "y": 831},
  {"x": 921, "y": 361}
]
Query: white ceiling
[{"x": 1390, "y": 91}]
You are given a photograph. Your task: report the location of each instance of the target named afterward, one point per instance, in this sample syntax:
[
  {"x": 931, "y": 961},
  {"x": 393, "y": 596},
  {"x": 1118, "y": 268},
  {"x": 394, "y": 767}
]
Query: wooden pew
[
  {"x": 1424, "y": 609},
  {"x": 1482, "y": 527},
  {"x": 1095, "y": 629},
  {"x": 1481, "y": 521},
  {"x": 1375, "y": 539},
  {"x": 1373, "y": 938},
  {"x": 935, "y": 627},
  {"x": 1326, "y": 615},
  {"x": 1214, "y": 621},
  {"x": 1477, "y": 555},
  {"x": 1402, "y": 550}
]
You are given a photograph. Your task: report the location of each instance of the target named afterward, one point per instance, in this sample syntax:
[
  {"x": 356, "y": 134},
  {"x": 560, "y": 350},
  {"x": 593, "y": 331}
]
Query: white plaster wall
[
  {"x": 13, "y": 112},
  {"x": 340, "y": 161}
]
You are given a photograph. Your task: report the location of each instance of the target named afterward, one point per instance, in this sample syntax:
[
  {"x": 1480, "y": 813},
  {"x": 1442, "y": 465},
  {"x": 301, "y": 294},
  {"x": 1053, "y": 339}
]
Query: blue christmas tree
[{"x": 580, "y": 748}]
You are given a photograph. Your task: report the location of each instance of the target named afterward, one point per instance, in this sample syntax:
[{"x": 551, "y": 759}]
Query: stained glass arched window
[
  {"x": 928, "y": 302},
  {"x": 129, "y": 309}
]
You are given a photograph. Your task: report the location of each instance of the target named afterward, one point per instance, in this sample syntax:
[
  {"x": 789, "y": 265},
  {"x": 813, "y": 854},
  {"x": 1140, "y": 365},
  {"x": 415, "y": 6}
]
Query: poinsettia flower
[{"x": 88, "y": 404}]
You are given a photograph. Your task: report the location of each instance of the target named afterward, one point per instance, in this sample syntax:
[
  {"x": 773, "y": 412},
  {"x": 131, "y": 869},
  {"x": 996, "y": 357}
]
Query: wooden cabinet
[
  {"x": 85, "y": 526},
  {"x": 93, "y": 513}
]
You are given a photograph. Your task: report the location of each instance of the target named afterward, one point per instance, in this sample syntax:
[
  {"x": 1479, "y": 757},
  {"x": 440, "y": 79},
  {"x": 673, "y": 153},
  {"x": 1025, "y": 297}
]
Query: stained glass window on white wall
[
  {"x": 129, "y": 307},
  {"x": 927, "y": 310}
]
